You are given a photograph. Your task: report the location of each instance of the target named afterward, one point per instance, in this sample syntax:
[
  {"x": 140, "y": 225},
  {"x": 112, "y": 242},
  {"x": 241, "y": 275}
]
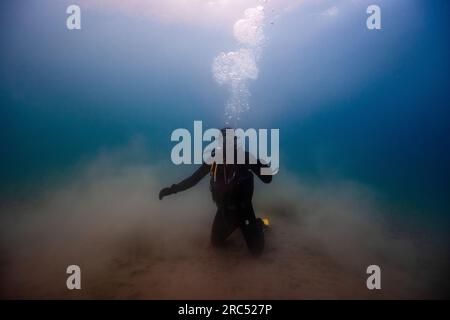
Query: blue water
[{"x": 368, "y": 106}]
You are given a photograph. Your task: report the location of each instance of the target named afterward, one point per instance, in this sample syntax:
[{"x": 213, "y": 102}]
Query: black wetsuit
[{"x": 231, "y": 186}]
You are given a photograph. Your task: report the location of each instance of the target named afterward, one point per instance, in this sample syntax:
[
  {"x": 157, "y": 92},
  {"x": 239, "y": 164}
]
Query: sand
[
  {"x": 292, "y": 267},
  {"x": 106, "y": 218}
]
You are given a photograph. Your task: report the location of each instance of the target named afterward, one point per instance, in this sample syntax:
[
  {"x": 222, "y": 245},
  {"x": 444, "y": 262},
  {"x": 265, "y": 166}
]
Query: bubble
[
  {"x": 236, "y": 68},
  {"x": 249, "y": 31}
]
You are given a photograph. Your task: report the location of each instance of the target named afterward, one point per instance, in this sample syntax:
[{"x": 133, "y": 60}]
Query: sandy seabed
[{"x": 105, "y": 218}]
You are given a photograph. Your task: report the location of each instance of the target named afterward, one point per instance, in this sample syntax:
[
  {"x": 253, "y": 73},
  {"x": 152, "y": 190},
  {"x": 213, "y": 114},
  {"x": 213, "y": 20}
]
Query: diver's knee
[
  {"x": 257, "y": 250},
  {"x": 256, "y": 245},
  {"x": 217, "y": 241}
]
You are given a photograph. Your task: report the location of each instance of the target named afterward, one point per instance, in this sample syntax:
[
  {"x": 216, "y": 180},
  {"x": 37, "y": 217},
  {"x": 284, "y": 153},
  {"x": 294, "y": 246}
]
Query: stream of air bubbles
[{"x": 235, "y": 68}]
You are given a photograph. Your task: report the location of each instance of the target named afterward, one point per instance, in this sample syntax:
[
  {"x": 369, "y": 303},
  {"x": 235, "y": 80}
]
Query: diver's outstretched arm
[{"x": 187, "y": 183}]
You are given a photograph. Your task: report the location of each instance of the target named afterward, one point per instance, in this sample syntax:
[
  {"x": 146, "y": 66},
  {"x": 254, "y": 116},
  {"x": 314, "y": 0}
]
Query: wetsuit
[{"x": 231, "y": 187}]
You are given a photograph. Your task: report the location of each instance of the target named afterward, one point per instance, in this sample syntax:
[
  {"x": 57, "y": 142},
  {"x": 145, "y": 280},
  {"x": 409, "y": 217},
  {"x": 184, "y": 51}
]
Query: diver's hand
[{"x": 165, "y": 192}]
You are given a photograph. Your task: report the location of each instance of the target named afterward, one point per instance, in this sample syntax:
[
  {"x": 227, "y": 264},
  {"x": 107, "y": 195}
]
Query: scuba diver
[{"x": 231, "y": 186}]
